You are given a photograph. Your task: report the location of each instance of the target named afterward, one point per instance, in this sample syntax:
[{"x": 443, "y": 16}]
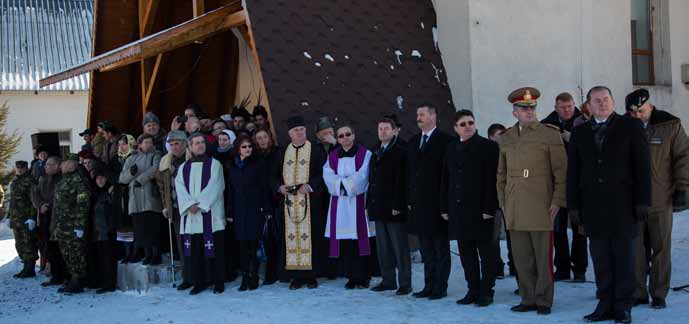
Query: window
[
  {"x": 642, "y": 43},
  {"x": 65, "y": 139}
]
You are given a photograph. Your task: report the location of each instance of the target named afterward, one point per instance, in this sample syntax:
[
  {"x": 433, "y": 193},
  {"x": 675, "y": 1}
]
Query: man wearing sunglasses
[
  {"x": 470, "y": 203},
  {"x": 531, "y": 190}
]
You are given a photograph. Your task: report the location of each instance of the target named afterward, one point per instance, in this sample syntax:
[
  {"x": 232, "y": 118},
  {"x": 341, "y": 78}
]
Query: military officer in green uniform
[
  {"x": 23, "y": 219},
  {"x": 531, "y": 190},
  {"x": 70, "y": 212}
]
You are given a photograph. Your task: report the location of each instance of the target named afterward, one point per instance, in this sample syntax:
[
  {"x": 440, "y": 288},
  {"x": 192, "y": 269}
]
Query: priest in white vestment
[
  {"x": 200, "y": 186},
  {"x": 345, "y": 174}
]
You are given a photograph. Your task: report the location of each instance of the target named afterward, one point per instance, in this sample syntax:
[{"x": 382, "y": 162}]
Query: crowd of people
[{"x": 227, "y": 199}]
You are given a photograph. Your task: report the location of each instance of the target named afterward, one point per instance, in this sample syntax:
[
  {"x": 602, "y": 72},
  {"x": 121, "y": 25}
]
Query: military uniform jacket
[
  {"x": 605, "y": 186},
  {"x": 531, "y": 176},
  {"x": 70, "y": 207},
  {"x": 21, "y": 209},
  {"x": 669, "y": 148}
]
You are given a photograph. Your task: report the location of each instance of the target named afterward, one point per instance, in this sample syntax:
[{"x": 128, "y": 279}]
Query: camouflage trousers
[
  {"x": 74, "y": 253},
  {"x": 25, "y": 242}
]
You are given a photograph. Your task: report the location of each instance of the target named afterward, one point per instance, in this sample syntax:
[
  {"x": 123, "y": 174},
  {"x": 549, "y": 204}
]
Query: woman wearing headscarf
[
  {"x": 145, "y": 204},
  {"x": 126, "y": 146}
]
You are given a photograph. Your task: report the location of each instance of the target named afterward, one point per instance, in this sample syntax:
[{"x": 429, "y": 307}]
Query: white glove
[
  {"x": 79, "y": 233},
  {"x": 31, "y": 224},
  {"x": 445, "y": 216},
  {"x": 487, "y": 216}
]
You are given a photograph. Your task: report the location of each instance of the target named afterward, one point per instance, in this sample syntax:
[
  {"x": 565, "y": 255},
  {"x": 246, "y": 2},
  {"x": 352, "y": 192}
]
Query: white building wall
[
  {"x": 554, "y": 45},
  {"x": 45, "y": 112},
  {"x": 679, "y": 40}
]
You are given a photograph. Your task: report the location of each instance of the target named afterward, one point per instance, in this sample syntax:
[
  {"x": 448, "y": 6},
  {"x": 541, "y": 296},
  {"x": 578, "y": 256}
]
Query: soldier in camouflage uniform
[
  {"x": 23, "y": 219},
  {"x": 71, "y": 213}
]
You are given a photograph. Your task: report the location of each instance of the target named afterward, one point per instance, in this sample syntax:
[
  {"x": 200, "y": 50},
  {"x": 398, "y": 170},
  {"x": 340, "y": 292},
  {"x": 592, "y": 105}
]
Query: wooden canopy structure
[{"x": 351, "y": 60}]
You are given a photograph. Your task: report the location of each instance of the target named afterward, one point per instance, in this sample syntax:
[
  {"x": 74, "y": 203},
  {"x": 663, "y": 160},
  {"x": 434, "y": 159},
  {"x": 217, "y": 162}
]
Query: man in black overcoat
[
  {"x": 426, "y": 151},
  {"x": 470, "y": 203},
  {"x": 609, "y": 192}
]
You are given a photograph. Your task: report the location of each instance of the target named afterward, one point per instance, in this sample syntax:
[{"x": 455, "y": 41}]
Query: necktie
[{"x": 424, "y": 139}]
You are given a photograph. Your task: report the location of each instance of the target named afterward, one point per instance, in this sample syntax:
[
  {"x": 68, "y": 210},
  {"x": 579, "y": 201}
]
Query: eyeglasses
[
  {"x": 467, "y": 123},
  {"x": 343, "y": 135},
  {"x": 246, "y": 146}
]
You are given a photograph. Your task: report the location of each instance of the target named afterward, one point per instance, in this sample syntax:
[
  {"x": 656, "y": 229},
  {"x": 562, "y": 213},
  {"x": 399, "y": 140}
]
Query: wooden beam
[
  {"x": 148, "y": 17},
  {"x": 147, "y": 94},
  {"x": 202, "y": 27},
  {"x": 199, "y": 8}
]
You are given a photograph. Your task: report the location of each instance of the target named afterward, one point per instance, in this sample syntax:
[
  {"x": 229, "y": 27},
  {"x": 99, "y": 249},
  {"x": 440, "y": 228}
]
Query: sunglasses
[
  {"x": 467, "y": 123},
  {"x": 343, "y": 135},
  {"x": 246, "y": 146}
]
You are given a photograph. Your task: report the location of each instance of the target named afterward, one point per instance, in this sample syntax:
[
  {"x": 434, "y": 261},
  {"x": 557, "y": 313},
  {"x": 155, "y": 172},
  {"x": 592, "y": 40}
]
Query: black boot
[
  {"x": 28, "y": 271},
  {"x": 74, "y": 287},
  {"x": 253, "y": 281},
  {"x": 245, "y": 282},
  {"x": 149, "y": 256},
  {"x": 156, "y": 259}
]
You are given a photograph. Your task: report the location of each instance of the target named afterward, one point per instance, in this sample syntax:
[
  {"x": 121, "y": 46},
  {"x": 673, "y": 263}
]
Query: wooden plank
[
  {"x": 204, "y": 26},
  {"x": 147, "y": 94},
  {"x": 198, "y": 8}
]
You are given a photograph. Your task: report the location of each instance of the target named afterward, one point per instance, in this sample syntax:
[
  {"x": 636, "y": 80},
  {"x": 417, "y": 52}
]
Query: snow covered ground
[{"x": 24, "y": 301}]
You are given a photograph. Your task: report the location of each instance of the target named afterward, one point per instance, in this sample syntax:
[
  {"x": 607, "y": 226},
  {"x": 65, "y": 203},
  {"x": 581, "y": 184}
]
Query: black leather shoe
[
  {"x": 244, "y": 286},
  {"x": 350, "y": 284},
  {"x": 52, "y": 282},
  {"x": 579, "y": 277},
  {"x": 658, "y": 303},
  {"x": 425, "y": 293},
  {"x": 640, "y": 301},
  {"x": 561, "y": 276},
  {"x": 500, "y": 274},
  {"x": 184, "y": 286},
  {"x": 623, "y": 317},
  {"x": 295, "y": 284},
  {"x": 403, "y": 291},
  {"x": 468, "y": 299},
  {"x": 438, "y": 295},
  {"x": 516, "y": 291},
  {"x": 523, "y": 308},
  {"x": 598, "y": 317},
  {"x": 543, "y": 310},
  {"x": 105, "y": 290},
  {"x": 312, "y": 284},
  {"x": 382, "y": 287},
  {"x": 219, "y": 288},
  {"x": 197, "y": 290},
  {"x": 484, "y": 301},
  {"x": 269, "y": 282}
]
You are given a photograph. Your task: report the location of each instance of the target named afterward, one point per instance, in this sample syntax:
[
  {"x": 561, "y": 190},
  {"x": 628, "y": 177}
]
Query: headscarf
[{"x": 131, "y": 143}]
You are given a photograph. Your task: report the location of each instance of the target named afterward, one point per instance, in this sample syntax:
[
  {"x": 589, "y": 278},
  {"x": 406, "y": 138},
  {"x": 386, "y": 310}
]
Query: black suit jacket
[
  {"x": 424, "y": 173},
  {"x": 469, "y": 189},
  {"x": 606, "y": 186},
  {"x": 386, "y": 183}
]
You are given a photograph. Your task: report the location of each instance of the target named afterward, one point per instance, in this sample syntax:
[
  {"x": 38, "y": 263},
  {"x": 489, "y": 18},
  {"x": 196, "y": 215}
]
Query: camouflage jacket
[
  {"x": 21, "y": 208},
  {"x": 70, "y": 207}
]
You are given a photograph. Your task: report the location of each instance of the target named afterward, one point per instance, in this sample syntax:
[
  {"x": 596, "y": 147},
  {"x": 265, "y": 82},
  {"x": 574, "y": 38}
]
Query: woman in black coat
[
  {"x": 266, "y": 149},
  {"x": 248, "y": 206},
  {"x": 469, "y": 203}
]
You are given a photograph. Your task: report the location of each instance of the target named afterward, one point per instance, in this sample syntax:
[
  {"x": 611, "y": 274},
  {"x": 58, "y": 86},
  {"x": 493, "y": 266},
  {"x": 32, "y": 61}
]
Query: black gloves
[
  {"x": 680, "y": 201},
  {"x": 641, "y": 213},
  {"x": 574, "y": 218},
  {"x": 133, "y": 170}
]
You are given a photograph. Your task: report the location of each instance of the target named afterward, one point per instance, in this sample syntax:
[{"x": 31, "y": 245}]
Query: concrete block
[{"x": 140, "y": 278}]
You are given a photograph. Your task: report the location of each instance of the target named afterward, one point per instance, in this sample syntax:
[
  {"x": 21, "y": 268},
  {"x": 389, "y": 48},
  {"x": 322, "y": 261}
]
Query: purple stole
[
  {"x": 361, "y": 226},
  {"x": 208, "y": 241}
]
